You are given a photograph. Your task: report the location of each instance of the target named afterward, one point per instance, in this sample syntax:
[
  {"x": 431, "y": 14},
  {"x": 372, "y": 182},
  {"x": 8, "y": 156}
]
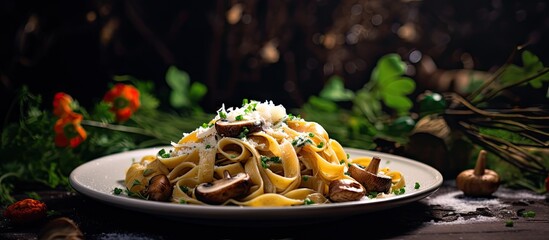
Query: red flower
[
  {"x": 61, "y": 104},
  {"x": 124, "y": 99},
  {"x": 26, "y": 211},
  {"x": 68, "y": 131}
]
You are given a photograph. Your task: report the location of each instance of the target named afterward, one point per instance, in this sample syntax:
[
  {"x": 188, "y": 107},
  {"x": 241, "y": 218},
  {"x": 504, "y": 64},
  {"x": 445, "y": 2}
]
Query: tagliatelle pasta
[{"x": 255, "y": 155}]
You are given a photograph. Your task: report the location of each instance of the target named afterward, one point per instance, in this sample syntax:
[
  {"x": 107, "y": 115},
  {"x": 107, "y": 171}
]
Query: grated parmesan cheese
[{"x": 267, "y": 112}]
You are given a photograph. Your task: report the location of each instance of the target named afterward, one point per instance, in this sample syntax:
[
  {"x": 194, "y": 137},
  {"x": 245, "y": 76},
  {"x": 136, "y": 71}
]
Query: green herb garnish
[
  {"x": 163, "y": 154},
  {"x": 244, "y": 132},
  {"x": 117, "y": 191},
  {"x": 528, "y": 214},
  {"x": 416, "y": 185},
  {"x": 308, "y": 201},
  {"x": 266, "y": 160},
  {"x": 222, "y": 115},
  {"x": 372, "y": 195},
  {"x": 301, "y": 141},
  {"x": 399, "y": 191}
]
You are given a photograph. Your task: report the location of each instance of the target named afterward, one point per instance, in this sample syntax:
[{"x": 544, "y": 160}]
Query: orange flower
[
  {"x": 124, "y": 99},
  {"x": 61, "y": 104},
  {"x": 68, "y": 131}
]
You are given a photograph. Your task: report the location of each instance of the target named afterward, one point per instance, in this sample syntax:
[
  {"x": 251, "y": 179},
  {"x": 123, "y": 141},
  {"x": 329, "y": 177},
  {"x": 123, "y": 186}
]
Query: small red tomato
[{"x": 26, "y": 211}]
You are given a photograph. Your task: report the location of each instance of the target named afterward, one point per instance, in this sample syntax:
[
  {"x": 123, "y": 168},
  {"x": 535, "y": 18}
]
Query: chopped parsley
[
  {"x": 163, "y": 154},
  {"x": 117, "y": 191},
  {"x": 372, "y": 195},
  {"x": 239, "y": 118},
  {"x": 304, "y": 178},
  {"x": 416, "y": 186},
  {"x": 244, "y": 132},
  {"x": 509, "y": 223},
  {"x": 266, "y": 160},
  {"x": 222, "y": 115},
  {"x": 348, "y": 156},
  {"x": 185, "y": 189},
  {"x": 399, "y": 191},
  {"x": 292, "y": 117},
  {"x": 251, "y": 106},
  {"x": 320, "y": 145},
  {"x": 208, "y": 146},
  {"x": 342, "y": 161},
  {"x": 528, "y": 214},
  {"x": 182, "y": 201},
  {"x": 308, "y": 201},
  {"x": 301, "y": 141},
  {"x": 311, "y": 135}
]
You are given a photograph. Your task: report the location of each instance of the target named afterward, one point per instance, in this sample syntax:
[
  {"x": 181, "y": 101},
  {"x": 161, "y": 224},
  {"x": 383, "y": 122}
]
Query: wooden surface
[{"x": 417, "y": 220}]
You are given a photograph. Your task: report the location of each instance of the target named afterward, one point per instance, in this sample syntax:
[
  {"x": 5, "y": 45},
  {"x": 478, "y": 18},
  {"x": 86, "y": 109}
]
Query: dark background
[{"x": 270, "y": 50}]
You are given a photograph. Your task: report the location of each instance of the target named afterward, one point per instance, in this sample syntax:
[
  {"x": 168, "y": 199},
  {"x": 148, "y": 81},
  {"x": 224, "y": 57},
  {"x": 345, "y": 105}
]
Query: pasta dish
[{"x": 258, "y": 155}]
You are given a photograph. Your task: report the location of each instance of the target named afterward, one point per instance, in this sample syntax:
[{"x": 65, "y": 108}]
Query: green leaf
[
  {"x": 399, "y": 103},
  {"x": 148, "y": 101},
  {"x": 531, "y": 62},
  {"x": 178, "y": 99},
  {"x": 102, "y": 113},
  {"x": 197, "y": 92},
  {"x": 511, "y": 74},
  {"x": 367, "y": 105},
  {"x": 322, "y": 104},
  {"x": 531, "y": 66},
  {"x": 400, "y": 86},
  {"x": 507, "y": 135},
  {"x": 388, "y": 67},
  {"x": 177, "y": 79},
  {"x": 334, "y": 90}
]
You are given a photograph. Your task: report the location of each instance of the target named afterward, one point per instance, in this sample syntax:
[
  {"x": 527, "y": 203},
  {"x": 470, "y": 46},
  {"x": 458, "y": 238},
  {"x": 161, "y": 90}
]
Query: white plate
[{"x": 98, "y": 178}]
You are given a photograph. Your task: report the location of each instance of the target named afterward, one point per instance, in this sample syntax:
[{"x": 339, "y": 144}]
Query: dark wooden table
[{"x": 446, "y": 214}]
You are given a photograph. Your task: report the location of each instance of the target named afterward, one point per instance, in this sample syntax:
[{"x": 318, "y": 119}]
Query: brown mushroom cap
[
  {"x": 369, "y": 178},
  {"x": 159, "y": 189},
  {"x": 221, "y": 190},
  {"x": 233, "y": 129},
  {"x": 345, "y": 190}
]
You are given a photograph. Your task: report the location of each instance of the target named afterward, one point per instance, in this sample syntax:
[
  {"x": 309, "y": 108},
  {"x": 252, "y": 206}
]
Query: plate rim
[{"x": 211, "y": 212}]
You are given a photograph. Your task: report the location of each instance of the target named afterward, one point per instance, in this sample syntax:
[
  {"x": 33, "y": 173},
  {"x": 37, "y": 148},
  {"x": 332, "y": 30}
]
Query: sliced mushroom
[
  {"x": 221, "y": 190},
  {"x": 159, "y": 189},
  {"x": 345, "y": 190},
  {"x": 233, "y": 129},
  {"x": 369, "y": 178}
]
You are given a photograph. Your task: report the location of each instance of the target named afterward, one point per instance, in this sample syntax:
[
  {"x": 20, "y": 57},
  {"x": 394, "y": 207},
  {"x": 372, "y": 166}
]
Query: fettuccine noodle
[{"x": 289, "y": 161}]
